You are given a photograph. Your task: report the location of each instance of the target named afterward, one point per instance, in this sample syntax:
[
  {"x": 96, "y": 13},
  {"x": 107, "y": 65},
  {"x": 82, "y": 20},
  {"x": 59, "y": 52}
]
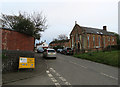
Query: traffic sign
[{"x": 25, "y": 62}]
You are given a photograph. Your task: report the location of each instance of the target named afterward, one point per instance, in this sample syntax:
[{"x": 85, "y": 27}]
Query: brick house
[
  {"x": 67, "y": 43},
  {"x": 91, "y": 38},
  {"x": 62, "y": 43},
  {"x": 12, "y": 40}
]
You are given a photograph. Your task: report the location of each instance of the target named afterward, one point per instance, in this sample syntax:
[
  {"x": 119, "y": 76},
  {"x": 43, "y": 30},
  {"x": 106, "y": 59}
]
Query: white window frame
[
  {"x": 99, "y": 41},
  {"x": 108, "y": 38},
  {"x": 104, "y": 42},
  {"x": 94, "y": 41},
  {"x": 88, "y": 37},
  {"x": 113, "y": 39}
]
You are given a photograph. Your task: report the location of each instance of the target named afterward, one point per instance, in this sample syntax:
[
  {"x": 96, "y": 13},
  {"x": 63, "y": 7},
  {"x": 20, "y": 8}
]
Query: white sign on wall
[{"x": 23, "y": 60}]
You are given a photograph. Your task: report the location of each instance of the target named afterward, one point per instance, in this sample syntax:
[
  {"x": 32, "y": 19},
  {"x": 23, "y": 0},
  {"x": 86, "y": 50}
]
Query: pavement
[{"x": 26, "y": 73}]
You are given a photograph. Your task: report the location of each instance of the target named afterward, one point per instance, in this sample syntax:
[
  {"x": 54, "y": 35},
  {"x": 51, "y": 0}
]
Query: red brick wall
[
  {"x": 65, "y": 44},
  {"x": 12, "y": 40},
  {"x": 101, "y": 41},
  {"x": 79, "y": 30},
  {"x": 75, "y": 31}
]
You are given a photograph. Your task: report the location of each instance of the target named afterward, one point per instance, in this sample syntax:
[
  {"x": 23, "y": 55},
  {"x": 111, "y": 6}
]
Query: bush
[{"x": 112, "y": 47}]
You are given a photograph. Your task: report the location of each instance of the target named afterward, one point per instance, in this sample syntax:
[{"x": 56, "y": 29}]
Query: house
[
  {"x": 42, "y": 45},
  {"x": 60, "y": 43},
  {"x": 13, "y": 40},
  {"x": 88, "y": 38}
]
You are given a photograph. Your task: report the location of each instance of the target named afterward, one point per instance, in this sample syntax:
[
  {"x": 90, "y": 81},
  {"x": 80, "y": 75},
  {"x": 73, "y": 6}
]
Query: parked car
[
  {"x": 49, "y": 53},
  {"x": 40, "y": 50},
  {"x": 62, "y": 51},
  {"x": 68, "y": 50},
  {"x": 59, "y": 50}
]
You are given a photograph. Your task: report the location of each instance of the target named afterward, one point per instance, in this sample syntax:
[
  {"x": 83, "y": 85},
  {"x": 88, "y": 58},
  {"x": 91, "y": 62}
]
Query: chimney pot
[
  {"x": 75, "y": 22},
  {"x": 105, "y": 28}
]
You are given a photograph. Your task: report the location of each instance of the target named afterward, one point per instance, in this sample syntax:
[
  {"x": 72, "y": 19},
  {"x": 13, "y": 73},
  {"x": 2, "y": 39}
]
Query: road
[{"x": 67, "y": 70}]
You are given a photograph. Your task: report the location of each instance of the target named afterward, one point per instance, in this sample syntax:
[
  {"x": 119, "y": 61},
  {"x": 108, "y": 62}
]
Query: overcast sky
[{"x": 62, "y": 14}]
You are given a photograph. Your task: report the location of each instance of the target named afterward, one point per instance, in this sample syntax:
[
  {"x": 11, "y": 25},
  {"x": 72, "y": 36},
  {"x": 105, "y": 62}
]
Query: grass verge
[{"x": 108, "y": 57}]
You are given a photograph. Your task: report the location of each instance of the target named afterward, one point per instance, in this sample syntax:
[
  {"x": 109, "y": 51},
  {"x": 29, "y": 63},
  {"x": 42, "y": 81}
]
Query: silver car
[{"x": 49, "y": 53}]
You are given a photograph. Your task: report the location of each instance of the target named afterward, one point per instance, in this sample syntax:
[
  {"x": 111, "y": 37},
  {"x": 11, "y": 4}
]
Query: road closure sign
[{"x": 25, "y": 62}]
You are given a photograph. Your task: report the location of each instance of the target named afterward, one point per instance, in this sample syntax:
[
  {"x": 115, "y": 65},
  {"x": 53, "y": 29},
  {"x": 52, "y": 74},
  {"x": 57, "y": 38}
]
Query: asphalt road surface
[{"x": 67, "y": 70}]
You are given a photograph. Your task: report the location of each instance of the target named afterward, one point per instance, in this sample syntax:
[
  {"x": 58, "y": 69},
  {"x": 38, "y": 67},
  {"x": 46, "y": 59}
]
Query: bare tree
[
  {"x": 35, "y": 23},
  {"x": 55, "y": 39},
  {"x": 62, "y": 37},
  {"x": 39, "y": 21},
  {"x": 9, "y": 21}
]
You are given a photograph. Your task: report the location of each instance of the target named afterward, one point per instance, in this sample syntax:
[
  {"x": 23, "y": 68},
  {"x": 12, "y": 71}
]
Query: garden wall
[{"x": 10, "y": 59}]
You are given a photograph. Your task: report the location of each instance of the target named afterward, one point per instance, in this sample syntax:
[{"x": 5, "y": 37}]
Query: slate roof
[
  {"x": 40, "y": 43},
  {"x": 90, "y": 30},
  {"x": 60, "y": 41}
]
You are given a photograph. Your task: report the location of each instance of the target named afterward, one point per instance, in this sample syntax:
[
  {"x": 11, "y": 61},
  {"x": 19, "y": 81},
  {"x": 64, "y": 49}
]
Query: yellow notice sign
[{"x": 25, "y": 62}]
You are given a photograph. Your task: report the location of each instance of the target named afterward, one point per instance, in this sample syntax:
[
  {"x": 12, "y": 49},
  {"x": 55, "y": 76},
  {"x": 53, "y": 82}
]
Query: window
[
  {"x": 88, "y": 41},
  {"x": 80, "y": 40},
  {"x": 108, "y": 38},
  {"x": 51, "y": 51},
  {"x": 99, "y": 40},
  {"x": 104, "y": 41},
  {"x": 112, "y": 39},
  {"x": 76, "y": 37},
  {"x": 72, "y": 42},
  {"x": 94, "y": 41}
]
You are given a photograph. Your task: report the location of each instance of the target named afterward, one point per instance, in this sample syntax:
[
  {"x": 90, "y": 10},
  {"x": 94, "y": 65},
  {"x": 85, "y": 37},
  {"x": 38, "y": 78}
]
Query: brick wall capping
[{"x": 14, "y": 31}]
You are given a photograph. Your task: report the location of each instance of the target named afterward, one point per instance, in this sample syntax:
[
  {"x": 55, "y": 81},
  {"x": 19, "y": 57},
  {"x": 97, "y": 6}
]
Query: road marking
[
  {"x": 52, "y": 70},
  {"x": 59, "y": 77},
  {"x": 57, "y": 85},
  {"x": 109, "y": 76},
  {"x": 82, "y": 66},
  {"x": 67, "y": 83},
  {"x": 63, "y": 79},
  {"x": 47, "y": 71},
  {"x": 57, "y": 74},
  {"x": 53, "y": 79},
  {"x": 72, "y": 62},
  {"x": 50, "y": 75},
  {"x": 78, "y": 64}
]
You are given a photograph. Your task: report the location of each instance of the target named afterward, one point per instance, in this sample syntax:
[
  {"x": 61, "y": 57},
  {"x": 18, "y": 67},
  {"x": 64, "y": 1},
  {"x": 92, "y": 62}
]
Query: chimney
[
  {"x": 66, "y": 38},
  {"x": 105, "y": 28},
  {"x": 75, "y": 22}
]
